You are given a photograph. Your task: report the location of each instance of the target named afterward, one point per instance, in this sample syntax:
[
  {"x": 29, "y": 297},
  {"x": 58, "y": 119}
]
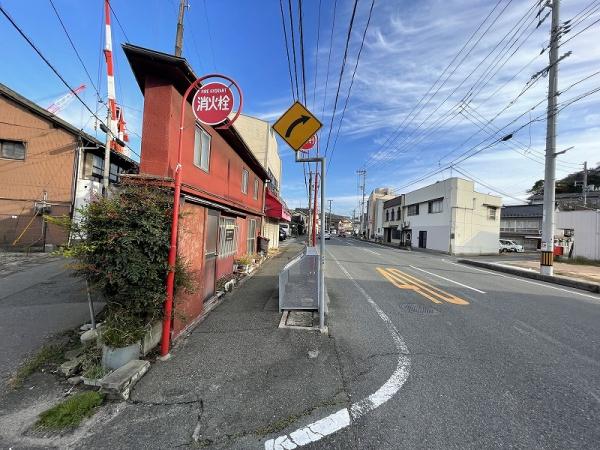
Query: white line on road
[
  {"x": 546, "y": 285},
  {"x": 448, "y": 279},
  {"x": 344, "y": 417}
]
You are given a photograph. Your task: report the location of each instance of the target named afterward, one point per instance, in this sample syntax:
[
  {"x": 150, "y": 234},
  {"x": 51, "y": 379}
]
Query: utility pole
[
  {"x": 310, "y": 213},
  {"x": 329, "y": 223},
  {"x": 363, "y": 174},
  {"x": 111, "y": 118},
  {"x": 585, "y": 183},
  {"x": 546, "y": 262},
  {"x": 179, "y": 36}
]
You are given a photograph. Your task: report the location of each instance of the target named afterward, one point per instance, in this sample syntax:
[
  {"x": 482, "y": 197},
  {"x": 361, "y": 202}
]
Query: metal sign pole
[{"x": 320, "y": 160}]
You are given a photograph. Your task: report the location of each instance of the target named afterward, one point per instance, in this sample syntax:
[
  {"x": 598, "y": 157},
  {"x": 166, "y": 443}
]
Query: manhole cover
[{"x": 417, "y": 308}]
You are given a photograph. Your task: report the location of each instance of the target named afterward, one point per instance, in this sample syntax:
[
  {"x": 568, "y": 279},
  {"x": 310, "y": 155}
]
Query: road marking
[
  {"x": 448, "y": 279},
  {"x": 427, "y": 290},
  {"x": 546, "y": 285},
  {"x": 344, "y": 417}
]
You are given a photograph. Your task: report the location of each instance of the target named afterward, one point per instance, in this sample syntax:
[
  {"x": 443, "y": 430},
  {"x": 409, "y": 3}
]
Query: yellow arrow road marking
[{"x": 403, "y": 280}]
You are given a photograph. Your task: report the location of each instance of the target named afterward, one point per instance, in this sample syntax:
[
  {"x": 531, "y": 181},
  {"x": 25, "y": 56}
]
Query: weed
[
  {"x": 48, "y": 354},
  {"x": 69, "y": 413}
]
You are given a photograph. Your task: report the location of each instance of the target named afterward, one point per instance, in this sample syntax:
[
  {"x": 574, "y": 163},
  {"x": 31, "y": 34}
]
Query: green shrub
[{"x": 121, "y": 247}]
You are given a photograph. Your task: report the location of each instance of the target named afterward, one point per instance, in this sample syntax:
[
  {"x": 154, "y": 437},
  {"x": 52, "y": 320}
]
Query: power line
[
  {"x": 337, "y": 94},
  {"x": 317, "y": 56},
  {"x": 49, "y": 64},
  {"x": 74, "y": 48},
  {"x": 329, "y": 61},
  {"x": 412, "y": 113},
  {"x": 362, "y": 43},
  {"x": 412, "y": 139},
  {"x": 293, "y": 47},
  {"x": 118, "y": 22},
  {"x": 302, "y": 49},
  {"x": 287, "y": 48},
  {"x": 210, "y": 39}
]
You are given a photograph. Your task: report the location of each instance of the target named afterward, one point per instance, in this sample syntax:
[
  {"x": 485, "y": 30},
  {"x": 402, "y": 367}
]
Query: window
[
  {"x": 255, "y": 196},
  {"x": 435, "y": 206},
  {"x": 392, "y": 215},
  {"x": 491, "y": 212},
  {"x": 398, "y": 215},
  {"x": 251, "y": 240},
  {"x": 227, "y": 237},
  {"x": 93, "y": 167},
  {"x": 114, "y": 172},
  {"x": 244, "y": 181},
  {"x": 413, "y": 210},
  {"x": 202, "y": 149},
  {"x": 387, "y": 215},
  {"x": 12, "y": 149}
]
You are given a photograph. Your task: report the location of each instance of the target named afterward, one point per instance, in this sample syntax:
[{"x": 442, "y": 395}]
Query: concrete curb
[{"x": 564, "y": 281}]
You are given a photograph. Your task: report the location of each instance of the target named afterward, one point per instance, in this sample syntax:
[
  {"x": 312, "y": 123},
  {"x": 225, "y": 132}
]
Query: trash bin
[{"x": 263, "y": 244}]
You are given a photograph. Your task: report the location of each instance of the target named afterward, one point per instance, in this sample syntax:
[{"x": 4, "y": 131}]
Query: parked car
[
  {"x": 282, "y": 234},
  {"x": 510, "y": 246},
  {"x": 285, "y": 227},
  {"x": 327, "y": 235}
]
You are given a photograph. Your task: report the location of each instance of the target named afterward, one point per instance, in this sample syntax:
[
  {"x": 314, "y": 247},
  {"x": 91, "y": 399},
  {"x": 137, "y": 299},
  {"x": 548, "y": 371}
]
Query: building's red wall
[
  {"x": 224, "y": 266},
  {"x": 162, "y": 104},
  {"x": 189, "y": 305}
]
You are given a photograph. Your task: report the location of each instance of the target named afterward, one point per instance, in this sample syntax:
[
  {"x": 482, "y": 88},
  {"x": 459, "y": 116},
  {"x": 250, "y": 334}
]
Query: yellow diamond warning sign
[{"x": 297, "y": 125}]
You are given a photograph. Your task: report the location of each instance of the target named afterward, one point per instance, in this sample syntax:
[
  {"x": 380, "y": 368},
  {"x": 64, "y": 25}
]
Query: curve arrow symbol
[{"x": 302, "y": 120}]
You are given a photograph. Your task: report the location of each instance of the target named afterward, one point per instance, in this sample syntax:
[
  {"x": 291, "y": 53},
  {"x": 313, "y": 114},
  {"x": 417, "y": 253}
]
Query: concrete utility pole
[
  {"x": 363, "y": 174},
  {"x": 550, "y": 170},
  {"x": 329, "y": 224},
  {"x": 585, "y": 183},
  {"x": 179, "y": 36},
  {"x": 310, "y": 191}
]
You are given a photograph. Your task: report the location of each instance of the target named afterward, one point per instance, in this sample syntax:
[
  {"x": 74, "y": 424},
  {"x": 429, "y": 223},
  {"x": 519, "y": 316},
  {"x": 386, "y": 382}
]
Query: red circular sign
[
  {"x": 212, "y": 103},
  {"x": 310, "y": 143}
]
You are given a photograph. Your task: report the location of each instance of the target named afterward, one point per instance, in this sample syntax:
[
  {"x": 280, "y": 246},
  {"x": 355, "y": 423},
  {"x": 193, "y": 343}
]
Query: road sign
[
  {"x": 213, "y": 103},
  {"x": 310, "y": 143},
  {"x": 297, "y": 125}
]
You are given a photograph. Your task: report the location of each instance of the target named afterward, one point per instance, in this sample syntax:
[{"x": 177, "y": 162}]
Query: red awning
[{"x": 274, "y": 208}]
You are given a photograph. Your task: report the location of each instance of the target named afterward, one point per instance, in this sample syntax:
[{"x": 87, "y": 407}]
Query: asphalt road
[
  {"x": 37, "y": 299},
  {"x": 495, "y": 361}
]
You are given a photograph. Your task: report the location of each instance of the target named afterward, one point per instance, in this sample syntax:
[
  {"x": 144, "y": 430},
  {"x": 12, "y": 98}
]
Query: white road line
[
  {"x": 448, "y": 279},
  {"x": 344, "y": 417},
  {"x": 546, "y": 285}
]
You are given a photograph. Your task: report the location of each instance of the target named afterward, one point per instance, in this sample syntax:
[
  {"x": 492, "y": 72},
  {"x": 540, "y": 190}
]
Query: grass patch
[
  {"x": 70, "y": 412},
  {"x": 48, "y": 354},
  {"x": 580, "y": 261}
]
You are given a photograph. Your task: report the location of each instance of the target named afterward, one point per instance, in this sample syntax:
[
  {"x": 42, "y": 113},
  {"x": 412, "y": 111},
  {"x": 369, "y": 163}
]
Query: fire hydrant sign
[
  {"x": 213, "y": 103},
  {"x": 297, "y": 125},
  {"x": 310, "y": 143}
]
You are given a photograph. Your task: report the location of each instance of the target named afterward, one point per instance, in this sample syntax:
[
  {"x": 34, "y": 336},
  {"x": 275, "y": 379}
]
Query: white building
[
  {"x": 451, "y": 217},
  {"x": 584, "y": 228},
  {"x": 375, "y": 211}
]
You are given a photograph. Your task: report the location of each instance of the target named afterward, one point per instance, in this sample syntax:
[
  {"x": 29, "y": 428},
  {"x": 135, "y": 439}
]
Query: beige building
[
  {"x": 375, "y": 211},
  {"x": 260, "y": 138},
  {"x": 451, "y": 217},
  {"x": 48, "y": 167}
]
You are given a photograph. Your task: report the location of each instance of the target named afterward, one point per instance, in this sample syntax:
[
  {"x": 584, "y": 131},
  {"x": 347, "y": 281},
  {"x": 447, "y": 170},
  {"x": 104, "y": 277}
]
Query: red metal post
[
  {"x": 168, "y": 312},
  {"x": 314, "y": 217}
]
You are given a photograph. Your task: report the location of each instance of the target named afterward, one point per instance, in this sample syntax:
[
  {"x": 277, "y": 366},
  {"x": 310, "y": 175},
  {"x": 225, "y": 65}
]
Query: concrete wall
[{"x": 586, "y": 224}]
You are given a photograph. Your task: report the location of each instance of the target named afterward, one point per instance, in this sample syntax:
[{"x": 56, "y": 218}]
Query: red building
[{"x": 223, "y": 184}]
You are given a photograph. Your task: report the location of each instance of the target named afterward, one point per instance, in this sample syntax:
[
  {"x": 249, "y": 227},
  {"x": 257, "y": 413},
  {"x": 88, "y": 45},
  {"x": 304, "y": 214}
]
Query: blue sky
[{"x": 407, "y": 47}]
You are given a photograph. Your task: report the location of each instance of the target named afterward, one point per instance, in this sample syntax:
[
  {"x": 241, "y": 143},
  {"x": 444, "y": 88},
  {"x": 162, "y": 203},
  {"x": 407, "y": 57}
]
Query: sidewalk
[
  {"x": 578, "y": 271},
  {"x": 236, "y": 381}
]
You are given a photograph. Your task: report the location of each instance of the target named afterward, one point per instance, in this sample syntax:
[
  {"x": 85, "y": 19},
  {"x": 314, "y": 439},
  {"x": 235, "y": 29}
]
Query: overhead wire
[
  {"x": 411, "y": 139},
  {"x": 56, "y": 72},
  {"x": 287, "y": 48},
  {"x": 301, "y": 27},
  {"x": 342, "y": 68},
  {"x": 411, "y": 114},
  {"x": 362, "y": 43},
  {"x": 293, "y": 47}
]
